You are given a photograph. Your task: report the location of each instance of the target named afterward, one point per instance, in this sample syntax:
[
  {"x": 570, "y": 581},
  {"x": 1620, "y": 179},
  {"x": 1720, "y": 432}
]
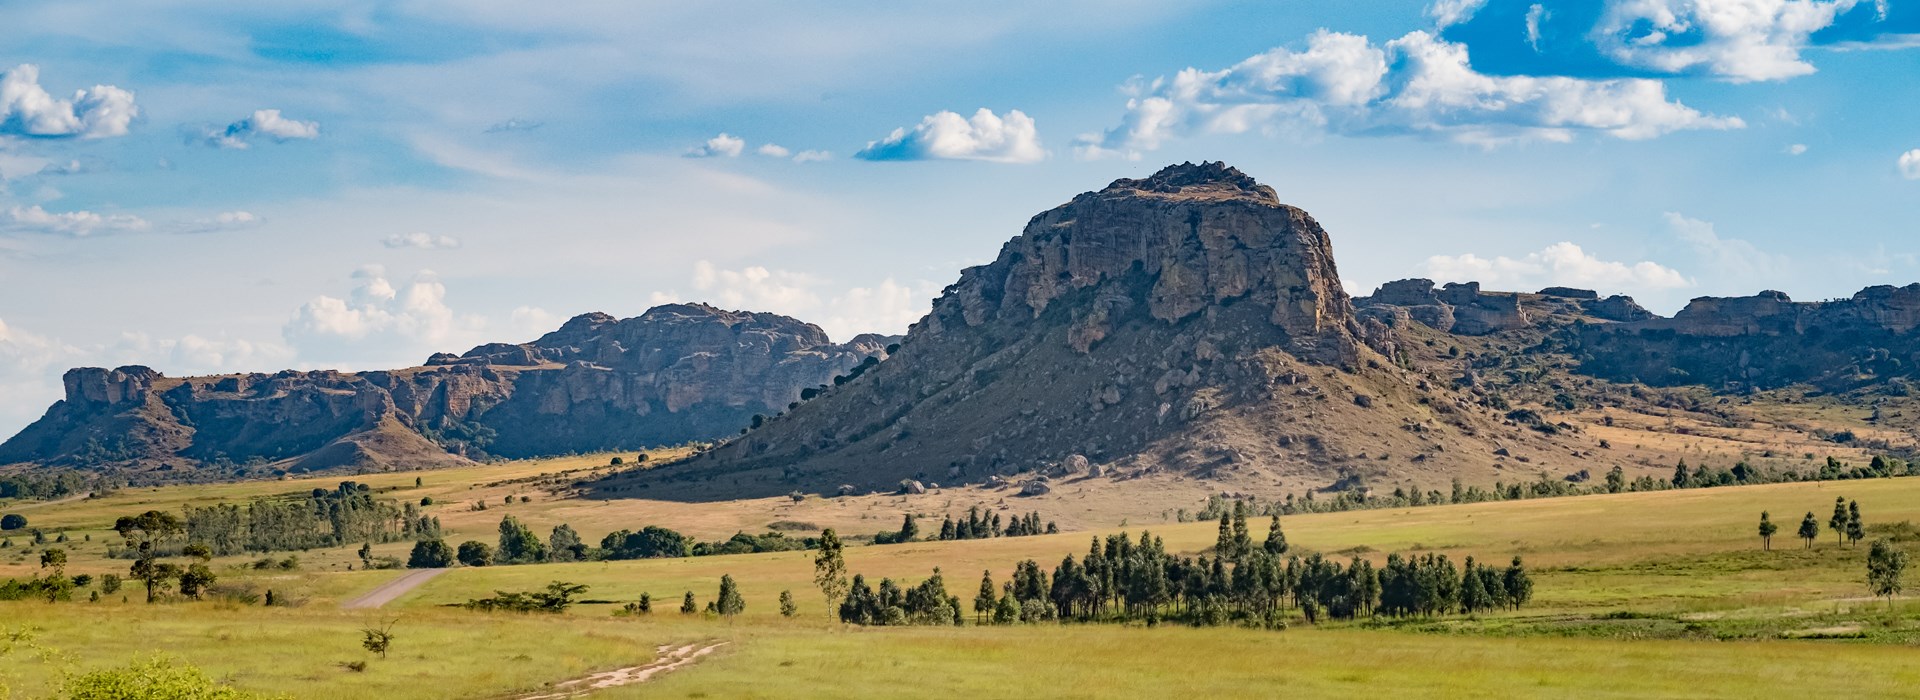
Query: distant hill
[{"x": 678, "y": 373}]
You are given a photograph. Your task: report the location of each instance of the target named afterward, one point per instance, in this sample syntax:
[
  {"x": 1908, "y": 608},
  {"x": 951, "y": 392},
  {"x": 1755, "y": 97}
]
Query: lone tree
[
  {"x": 143, "y": 533},
  {"x": 378, "y": 639},
  {"x": 1767, "y": 528},
  {"x": 686, "y": 605},
  {"x": 430, "y": 554},
  {"x": 1838, "y": 522},
  {"x": 787, "y": 606},
  {"x": 829, "y": 570},
  {"x": 730, "y": 602},
  {"x": 1809, "y": 529},
  {"x": 475, "y": 553},
  {"x": 1856, "y": 529},
  {"x": 1885, "y": 565},
  {"x": 909, "y": 529}
]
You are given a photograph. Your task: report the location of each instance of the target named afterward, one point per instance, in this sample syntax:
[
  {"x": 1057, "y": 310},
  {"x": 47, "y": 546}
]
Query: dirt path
[
  {"x": 28, "y": 505},
  {"x": 668, "y": 658},
  {"x": 391, "y": 590}
]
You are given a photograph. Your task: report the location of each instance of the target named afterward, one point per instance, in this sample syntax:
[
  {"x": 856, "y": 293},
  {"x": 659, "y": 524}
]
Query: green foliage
[
  {"x": 923, "y": 604},
  {"x": 13, "y": 521},
  {"x": 475, "y": 553},
  {"x": 787, "y": 607},
  {"x": 558, "y": 596},
  {"x": 1885, "y": 567},
  {"x": 565, "y": 545},
  {"x": 322, "y": 518},
  {"x": 378, "y": 640},
  {"x": 1809, "y": 529},
  {"x": 156, "y": 678},
  {"x": 686, "y": 605},
  {"x": 1767, "y": 528},
  {"x": 431, "y": 554},
  {"x": 830, "y": 570},
  {"x": 651, "y": 542},
  {"x": 518, "y": 544},
  {"x": 979, "y": 526},
  {"x": 729, "y": 601}
]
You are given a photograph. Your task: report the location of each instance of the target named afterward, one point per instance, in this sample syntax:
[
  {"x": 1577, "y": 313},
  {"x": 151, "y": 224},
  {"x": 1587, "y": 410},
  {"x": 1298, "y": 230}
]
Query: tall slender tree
[
  {"x": 988, "y": 597},
  {"x": 1856, "y": 528},
  {"x": 1276, "y": 543},
  {"x": 1838, "y": 522},
  {"x": 830, "y": 570},
  {"x": 1767, "y": 528},
  {"x": 1809, "y": 529}
]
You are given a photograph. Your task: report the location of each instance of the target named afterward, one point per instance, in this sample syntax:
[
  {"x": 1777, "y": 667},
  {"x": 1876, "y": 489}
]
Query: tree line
[
  {"x": 978, "y": 526},
  {"x": 520, "y": 544},
  {"x": 322, "y": 518}
]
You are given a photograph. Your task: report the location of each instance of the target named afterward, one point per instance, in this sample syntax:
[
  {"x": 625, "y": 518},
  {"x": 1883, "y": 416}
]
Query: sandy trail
[
  {"x": 668, "y": 658},
  {"x": 391, "y": 590}
]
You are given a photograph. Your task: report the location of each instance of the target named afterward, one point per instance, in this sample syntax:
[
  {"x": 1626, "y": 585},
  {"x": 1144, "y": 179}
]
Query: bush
[
  {"x": 157, "y": 678},
  {"x": 13, "y": 521},
  {"x": 475, "y": 553},
  {"x": 431, "y": 554}
]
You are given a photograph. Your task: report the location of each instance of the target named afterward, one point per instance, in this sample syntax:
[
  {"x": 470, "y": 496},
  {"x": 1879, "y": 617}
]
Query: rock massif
[
  {"x": 1185, "y": 323},
  {"x": 677, "y": 373}
]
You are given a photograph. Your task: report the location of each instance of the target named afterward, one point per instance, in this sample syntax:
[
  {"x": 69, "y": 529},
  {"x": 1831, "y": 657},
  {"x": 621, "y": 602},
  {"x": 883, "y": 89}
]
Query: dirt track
[{"x": 391, "y": 590}]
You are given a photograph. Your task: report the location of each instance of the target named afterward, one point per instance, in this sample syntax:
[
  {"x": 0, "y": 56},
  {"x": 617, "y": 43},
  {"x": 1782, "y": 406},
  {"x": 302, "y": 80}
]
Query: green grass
[{"x": 1638, "y": 595}]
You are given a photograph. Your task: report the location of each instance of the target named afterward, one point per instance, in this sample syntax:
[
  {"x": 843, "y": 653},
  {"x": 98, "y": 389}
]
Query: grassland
[{"x": 1641, "y": 594}]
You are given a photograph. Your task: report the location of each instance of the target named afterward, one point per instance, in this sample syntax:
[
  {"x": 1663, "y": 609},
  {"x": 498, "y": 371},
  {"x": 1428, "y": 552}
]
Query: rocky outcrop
[
  {"x": 1456, "y": 308},
  {"x": 1763, "y": 341},
  {"x": 1179, "y": 322},
  {"x": 677, "y": 373}
]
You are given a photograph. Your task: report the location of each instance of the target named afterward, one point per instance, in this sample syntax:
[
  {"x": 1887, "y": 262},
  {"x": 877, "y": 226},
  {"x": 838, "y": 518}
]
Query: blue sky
[{"x": 225, "y": 186}]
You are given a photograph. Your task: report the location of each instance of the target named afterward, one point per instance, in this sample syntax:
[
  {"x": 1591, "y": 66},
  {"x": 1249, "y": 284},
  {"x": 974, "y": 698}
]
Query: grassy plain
[{"x": 1638, "y": 595}]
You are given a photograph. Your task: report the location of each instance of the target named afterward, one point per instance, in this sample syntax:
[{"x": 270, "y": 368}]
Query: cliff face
[
  {"x": 675, "y": 374},
  {"x": 1763, "y": 341},
  {"x": 1186, "y": 323}
]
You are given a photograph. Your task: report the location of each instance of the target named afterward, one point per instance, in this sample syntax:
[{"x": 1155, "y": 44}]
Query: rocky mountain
[
  {"x": 1187, "y": 323},
  {"x": 677, "y": 373}
]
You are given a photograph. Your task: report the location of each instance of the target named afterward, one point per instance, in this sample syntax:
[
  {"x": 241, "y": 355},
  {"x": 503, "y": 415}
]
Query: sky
[{"x": 219, "y": 186}]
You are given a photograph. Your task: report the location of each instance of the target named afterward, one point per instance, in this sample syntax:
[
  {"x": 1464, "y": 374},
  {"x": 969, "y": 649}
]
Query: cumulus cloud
[
  {"x": 78, "y": 224},
  {"x": 421, "y": 241},
  {"x": 811, "y": 156},
  {"x": 1560, "y": 264},
  {"x": 1910, "y": 164},
  {"x": 719, "y": 146},
  {"x": 1417, "y": 84},
  {"x": 26, "y": 108},
  {"x": 773, "y": 150},
  {"x": 379, "y": 321},
  {"x": 949, "y": 136},
  {"x": 265, "y": 123},
  {"x": 886, "y": 307},
  {"x": 1744, "y": 41}
]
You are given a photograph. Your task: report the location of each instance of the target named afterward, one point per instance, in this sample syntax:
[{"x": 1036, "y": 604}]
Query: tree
[
  {"x": 908, "y": 529},
  {"x": 1838, "y": 522},
  {"x": 1223, "y": 542},
  {"x": 686, "y": 605},
  {"x": 1856, "y": 529},
  {"x": 195, "y": 579},
  {"x": 1767, "y": 528},
  {"x": 565, "y": 545},
  {"x": 1242, "y": 539},
  {"x": 378, "y": 639},
  {"x": 1809, "y": 529},
  {"x": 730, "y": 602},
  {"x": 1276, "y": 544},
  {"x": 518, "y": 544},
  {"x": 985, "y": 601},
  {"x": 787, "y": 606},
  {"x": 13, "y": 521},
  {"x": 1681, "y": 477},
  {"x": 431, "y": 554},
  {"x": 1616, "y": 480},
  {"x": 1519, "y": 585},
  {"x": 1885, "y": 565},
  {"x": 830, "y": 570},
  {"x": 475, "y": 553},
  {"x": 143, "y": 533}
]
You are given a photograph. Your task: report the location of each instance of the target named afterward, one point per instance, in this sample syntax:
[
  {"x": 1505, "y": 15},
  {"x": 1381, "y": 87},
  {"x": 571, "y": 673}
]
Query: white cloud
[
  {"x": 77, "y": 224},
  {"x": 888, "y": 307},
  {"x": 773, "y": 150},
  {"x": 1738, "y": 40},
  {"x": 719, "y": 146},
  {"x": 1417, "y": 84},
  {"x": 1910, "y": 164},
  {"x": 1796, "y": 149},
  {"x": 265, "y": 122},
  {"x": 949, "y": 136},
  {"x": 223, "y": 221},
  {"x": 26, "y": 109},
  {"x": 811, "y": 156},
  {"x": 1727, "y": 258},
  {"x": 381, "y": 322},
  {"x": 1446, "y": 13},
  {"x": 1560, "y": 264},
  {"x": 1535, "y": 15},
  {"x": 421, "y": 240}
]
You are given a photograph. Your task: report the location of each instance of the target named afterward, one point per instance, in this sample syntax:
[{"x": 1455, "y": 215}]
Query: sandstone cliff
[
  {"x": 677, "y": 373},
  {"x": 1187, "y": 324}
]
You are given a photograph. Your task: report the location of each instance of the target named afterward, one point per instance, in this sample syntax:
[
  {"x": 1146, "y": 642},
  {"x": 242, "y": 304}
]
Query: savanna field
[{"x": 1654, "y": 594}]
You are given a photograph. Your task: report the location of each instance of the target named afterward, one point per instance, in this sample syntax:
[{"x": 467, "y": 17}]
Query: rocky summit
[
  {"x": 1187, "y": 324},
  {"x": 677, "y": 373}
]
